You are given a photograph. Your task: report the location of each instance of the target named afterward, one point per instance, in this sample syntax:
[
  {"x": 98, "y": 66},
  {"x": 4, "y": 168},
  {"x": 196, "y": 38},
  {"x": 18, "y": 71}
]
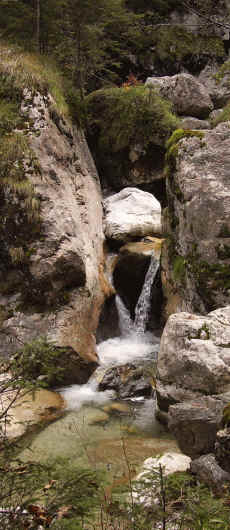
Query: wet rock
[
  {"x": 195, "y": 255},
  {"x": 33, "y": 408},
  {"x": 187, "y": 94},
  {"x": 99, "y": 418},
  {"x": 120, "y": 408},
  {"x": 131, "y": 214},
  {"x": 127, "y": 381},
  {"x": 208, "y": 471},
  {"x": 194, "y": 357},
  {"x": 195, "y": 424}
]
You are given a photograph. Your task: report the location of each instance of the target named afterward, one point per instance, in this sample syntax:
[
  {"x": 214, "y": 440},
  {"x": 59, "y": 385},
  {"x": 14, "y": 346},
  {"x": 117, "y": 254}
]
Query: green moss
[
  {"x": 129, "y": 116},
  {"x": 179, "y": 268}
]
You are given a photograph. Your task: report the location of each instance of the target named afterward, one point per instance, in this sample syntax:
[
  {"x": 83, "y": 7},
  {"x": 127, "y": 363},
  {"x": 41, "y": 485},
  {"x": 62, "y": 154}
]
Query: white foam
[
  {"x": 78, "y": 395},
  {"x": 122, "y": 350}
]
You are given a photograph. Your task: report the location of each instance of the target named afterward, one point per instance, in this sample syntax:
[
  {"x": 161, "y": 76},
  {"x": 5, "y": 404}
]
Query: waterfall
[
  {"x": 143, "y": 305},
  {"x": 126, "y": 324},
  {"x": 134, "y": 345}
]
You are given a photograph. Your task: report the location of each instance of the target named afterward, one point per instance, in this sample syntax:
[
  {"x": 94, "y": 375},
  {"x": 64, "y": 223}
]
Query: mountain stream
[{"x": 96, "y": 425}]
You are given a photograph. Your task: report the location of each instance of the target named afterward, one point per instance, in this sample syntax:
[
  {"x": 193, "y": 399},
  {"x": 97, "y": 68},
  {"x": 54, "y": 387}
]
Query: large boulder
[
  {"x": 195, "y": 424},
  {"x": 51, "y": 277},
  {"x": 208, "y": 471},
  {"x": 194, "y": 357},
  {"x": 131, "y": 214},
  {"x": 187, "y": 94},
  {"x": 196, "y": 253}
]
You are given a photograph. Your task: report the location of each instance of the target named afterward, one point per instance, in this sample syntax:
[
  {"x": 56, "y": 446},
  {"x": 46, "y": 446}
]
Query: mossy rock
[{"x": 129, "y": 116}]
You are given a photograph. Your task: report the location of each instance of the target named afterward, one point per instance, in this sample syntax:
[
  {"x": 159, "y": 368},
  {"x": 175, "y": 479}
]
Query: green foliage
[
  {"x": 59, "y": 492},
  {"x": 20, "y": 70},
  {"x": 179, "y": 268},
  {"x": 39, "y": 358},
  {"x": 129, "y": 116},
  {"x": 176, "y": 44}
]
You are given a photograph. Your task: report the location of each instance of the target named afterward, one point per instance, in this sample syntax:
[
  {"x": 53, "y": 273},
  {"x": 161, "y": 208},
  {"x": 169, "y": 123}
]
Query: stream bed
[{"x": 98, "y": 429}]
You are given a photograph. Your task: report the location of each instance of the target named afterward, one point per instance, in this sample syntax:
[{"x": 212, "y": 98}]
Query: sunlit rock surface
[{"x": 131, "y": 214}]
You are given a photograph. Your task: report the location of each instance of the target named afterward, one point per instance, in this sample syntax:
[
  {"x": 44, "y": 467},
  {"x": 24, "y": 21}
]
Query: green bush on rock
[{"x": 128, "y": 116}]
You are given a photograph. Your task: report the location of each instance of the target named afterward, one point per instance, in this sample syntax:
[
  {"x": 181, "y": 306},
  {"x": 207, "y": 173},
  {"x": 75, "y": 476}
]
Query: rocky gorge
[{"x": 107, "y": 264}]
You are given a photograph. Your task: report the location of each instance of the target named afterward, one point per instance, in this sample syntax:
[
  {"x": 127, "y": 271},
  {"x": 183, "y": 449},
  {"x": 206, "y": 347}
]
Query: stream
[{"x": 96, "y": 425}]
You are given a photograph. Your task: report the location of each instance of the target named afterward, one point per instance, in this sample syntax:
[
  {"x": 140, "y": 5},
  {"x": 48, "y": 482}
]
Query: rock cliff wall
[
  {"x": 52, "y": 287},
  {"x": 196, "y": 255}
]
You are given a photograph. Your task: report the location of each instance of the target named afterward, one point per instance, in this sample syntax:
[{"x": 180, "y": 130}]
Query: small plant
[{"x": 39, "y": 358}]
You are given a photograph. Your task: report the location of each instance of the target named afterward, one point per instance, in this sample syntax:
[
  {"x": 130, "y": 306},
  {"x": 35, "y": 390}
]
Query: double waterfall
[
  {"x": 138, "y": 326},
  {"x": 133, "y": 345}
]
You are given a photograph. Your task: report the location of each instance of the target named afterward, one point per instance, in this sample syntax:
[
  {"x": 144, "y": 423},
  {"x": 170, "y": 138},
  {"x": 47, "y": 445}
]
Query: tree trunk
[{"x": 38, "y": 21}]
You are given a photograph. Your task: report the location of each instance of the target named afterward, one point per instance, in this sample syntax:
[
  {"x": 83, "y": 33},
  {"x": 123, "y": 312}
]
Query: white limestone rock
[
  {"x": 194, "y": 357},
  {"x": 170, "y": 463},
  {"x": 131, "y": 213}
]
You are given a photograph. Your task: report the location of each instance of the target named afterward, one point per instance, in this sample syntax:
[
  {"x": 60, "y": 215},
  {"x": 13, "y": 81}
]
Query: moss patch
[{"x": 179, "y": 268}]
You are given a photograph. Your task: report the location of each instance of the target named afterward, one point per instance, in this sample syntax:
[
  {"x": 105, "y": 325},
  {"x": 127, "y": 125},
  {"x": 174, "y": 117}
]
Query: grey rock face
[
  {"x": 195, "y": 123},
  {"x": 131, "y": 213},
  {"x": 208, "y": 470},
  {"x": 222, "y": 448},
  {"x": 196, "y": 256},
  {"x": 194, "y": 357},
  {"x": 59, "y": 294},
  {"x": 195, "y": 424},
  {"x": 187, "y": 94},
  {"x": 219, "y": 89}
]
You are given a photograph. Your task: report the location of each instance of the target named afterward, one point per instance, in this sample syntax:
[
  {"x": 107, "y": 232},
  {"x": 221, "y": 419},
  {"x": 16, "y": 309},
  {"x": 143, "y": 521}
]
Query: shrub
[
  {"x": 128, "y": 116},
  {"x": 39, "y": 358}
]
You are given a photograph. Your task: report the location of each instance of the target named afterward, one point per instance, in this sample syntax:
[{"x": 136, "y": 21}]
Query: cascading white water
[
  {"x": 144, "y": 302},
  {"x": 126, "y": 324},
  {"x": 134, "y": 345}
]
